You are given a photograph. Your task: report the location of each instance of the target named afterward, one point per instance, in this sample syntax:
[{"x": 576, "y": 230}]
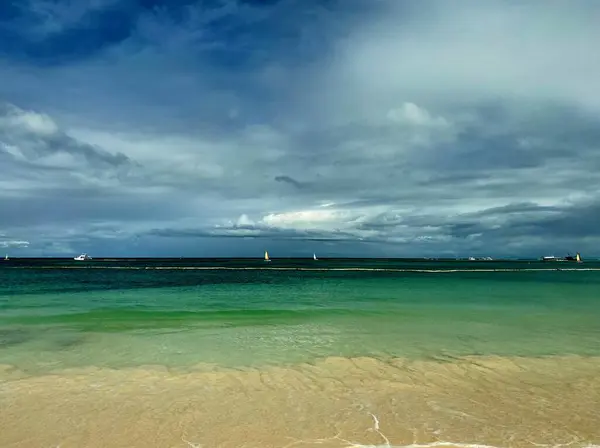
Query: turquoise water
[{"x": 57, "y": 314}]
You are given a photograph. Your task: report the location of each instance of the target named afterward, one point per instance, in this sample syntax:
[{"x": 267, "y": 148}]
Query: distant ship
[
  {"x": 576, "y": 258},
  {"x": 267, "y": 256},
  {"x": 82, "y": 257}
]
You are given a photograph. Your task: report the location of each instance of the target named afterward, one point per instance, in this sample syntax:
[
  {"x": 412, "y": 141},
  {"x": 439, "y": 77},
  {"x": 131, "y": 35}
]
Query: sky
[{"x": 375, "y": 128}]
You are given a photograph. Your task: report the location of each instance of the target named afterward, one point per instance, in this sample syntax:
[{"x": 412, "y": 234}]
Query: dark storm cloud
[
  {"x": 96, "y": 30},
  {"x": 290, "y": 180},
  {"x": 199, "y": 125},
  {"x": 574, "y": 220},
  {"x": 184, "y": 66},
  {"x": 66, "y": 205},
  {"x": 514, "y": 222},
  {"x": 517, "y": 208},
  {"x": 252, "y": 231}
]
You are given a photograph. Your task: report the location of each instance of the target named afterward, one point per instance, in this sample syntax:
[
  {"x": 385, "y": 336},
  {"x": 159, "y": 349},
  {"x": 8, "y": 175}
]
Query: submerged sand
[{"x": 335, "y": 402}]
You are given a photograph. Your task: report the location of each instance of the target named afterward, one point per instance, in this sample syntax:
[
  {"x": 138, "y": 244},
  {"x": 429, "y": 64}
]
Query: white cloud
[
  {"x": 243, "y": 220},
  {"x": 468, "y": 52},
  {"x": 13, "y": 243},
  {"x": 27, "y": 121},
  {"x": 35, "y": 136},
  {"x": 317, "y": 219},
  {"x": 410, "y": 113},
  {"x": 400, "y": 125}
]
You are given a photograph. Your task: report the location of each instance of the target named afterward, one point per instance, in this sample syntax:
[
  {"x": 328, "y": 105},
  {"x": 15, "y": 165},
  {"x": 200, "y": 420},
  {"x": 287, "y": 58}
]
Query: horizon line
[{"x": 431, "y": 258}]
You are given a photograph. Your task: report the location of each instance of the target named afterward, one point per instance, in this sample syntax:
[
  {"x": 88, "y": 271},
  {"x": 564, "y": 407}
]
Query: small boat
[
  {"x": 6, "y": 257},
  {"x": 472, "y": 259},
  {"x": 552, "y": 258},
  {"x": 267, "y": 256},
  {"x": 315, "y": 257},
  {"x": 82, "y": 257}
]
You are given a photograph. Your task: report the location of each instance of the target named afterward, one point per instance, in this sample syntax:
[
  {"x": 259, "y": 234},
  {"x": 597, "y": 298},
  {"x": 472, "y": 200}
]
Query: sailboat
[
  {"x": 576, "y": 258},
  {"x": 315, "y": 257},
  {"x": 6, "y": 257},
  {"x": 267, "y": 256}
]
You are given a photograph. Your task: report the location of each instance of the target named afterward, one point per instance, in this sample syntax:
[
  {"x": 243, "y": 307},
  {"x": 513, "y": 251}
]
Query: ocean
[{"x": 348, "y": 352}]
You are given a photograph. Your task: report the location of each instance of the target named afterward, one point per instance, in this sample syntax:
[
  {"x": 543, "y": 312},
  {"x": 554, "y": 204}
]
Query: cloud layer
[{"x": 343, "y": 127}]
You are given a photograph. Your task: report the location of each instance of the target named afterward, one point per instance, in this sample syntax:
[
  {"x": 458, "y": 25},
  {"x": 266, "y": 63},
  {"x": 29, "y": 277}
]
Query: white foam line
[
  {"x": 465, "y": 445},
  {"x": 554, "y": 446},
  {"x": 437, "y": 444},
  {"x": 376, "y": 429},
  {"x": 425, "y": 445},
  {"x": 191, "y": 445},
  {"x": 428, "y": 445}
]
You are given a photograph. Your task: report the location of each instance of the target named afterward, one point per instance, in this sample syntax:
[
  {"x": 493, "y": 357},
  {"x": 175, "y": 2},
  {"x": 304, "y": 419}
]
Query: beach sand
[{"x": 335, "y": 402}]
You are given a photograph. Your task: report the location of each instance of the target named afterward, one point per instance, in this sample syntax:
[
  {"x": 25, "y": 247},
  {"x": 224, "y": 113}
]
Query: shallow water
[
  {"x": 335, "y": 402},
  {"x": 241, "y": 353}
]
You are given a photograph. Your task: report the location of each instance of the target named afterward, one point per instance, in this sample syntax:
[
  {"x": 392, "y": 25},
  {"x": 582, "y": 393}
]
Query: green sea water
[{"x": 57, "y": 314}]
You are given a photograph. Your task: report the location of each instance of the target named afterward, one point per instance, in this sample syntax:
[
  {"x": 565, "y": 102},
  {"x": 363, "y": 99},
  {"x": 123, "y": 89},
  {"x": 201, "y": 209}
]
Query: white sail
[
  {"x": 267, "y": 256},
  {"x": 315, "y": 257}
]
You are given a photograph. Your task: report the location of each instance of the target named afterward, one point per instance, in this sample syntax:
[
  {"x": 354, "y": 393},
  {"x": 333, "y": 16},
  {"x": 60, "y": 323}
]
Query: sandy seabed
[{"x": 335, "y": 402}]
